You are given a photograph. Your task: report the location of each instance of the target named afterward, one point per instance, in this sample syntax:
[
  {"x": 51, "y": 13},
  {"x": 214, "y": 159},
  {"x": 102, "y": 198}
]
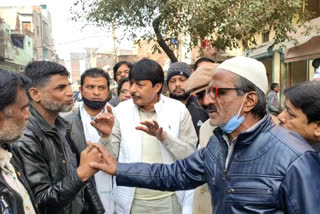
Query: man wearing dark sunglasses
[{"x": 250, "y": 165}]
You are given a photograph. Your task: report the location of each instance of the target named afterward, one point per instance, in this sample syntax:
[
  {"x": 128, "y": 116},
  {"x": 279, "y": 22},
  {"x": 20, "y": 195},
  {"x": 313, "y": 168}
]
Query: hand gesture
[
  {"x": 104, "y": 122},
  {"x": 90, "y": 154},
  {"x": 109, "y": 164},
  {"x": 153, "y": 128}
]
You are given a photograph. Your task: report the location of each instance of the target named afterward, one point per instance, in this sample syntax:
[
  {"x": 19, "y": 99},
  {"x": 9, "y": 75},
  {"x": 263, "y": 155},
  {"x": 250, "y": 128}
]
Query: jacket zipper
[{"x": 248, "y": 191}]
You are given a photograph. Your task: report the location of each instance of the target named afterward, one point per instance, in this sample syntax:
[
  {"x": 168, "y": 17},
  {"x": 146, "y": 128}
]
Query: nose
[
  {"x": 69, "y": 91},
  {"x": 96, "y": 91},
  {"x": 208, "y": 100},
  {"x": 178, "y": 84},
  {"x": 127, "y": 95},
  {"x": 282, "y": 116},
  {"x": 26, "y": 114},
  {"x": 132, "y": 88}
]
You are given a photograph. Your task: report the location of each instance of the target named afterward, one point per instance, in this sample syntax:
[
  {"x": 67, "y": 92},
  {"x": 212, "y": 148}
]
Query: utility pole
[{"x": 114, "y": 42}]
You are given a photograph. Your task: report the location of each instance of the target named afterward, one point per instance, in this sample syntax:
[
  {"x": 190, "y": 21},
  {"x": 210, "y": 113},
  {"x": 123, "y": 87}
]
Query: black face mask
[
  {"x": 180, "y": 97},
  {"x": 94, "y": 104}
]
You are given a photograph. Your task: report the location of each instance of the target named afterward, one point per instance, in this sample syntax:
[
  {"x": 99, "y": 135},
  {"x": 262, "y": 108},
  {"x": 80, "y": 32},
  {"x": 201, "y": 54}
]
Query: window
[
  {"x": 265, "y": 36},
  {"x": 26, "y": 26}
]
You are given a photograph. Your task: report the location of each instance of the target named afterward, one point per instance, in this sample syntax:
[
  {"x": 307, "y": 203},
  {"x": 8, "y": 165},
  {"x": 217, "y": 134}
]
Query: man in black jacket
[
  {"x": 58, "y": 176},
  {"x": 177, "y": 77},
  {"x": 15, "y": 194}
]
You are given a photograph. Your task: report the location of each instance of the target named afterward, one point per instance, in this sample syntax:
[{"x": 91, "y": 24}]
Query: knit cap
[{"x": 178, "y": 68}]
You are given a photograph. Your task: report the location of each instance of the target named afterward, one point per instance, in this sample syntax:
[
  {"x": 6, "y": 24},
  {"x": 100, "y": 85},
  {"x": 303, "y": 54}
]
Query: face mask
[
  {"x": 94, "y": 104},
  {"x": 234, "y": 122}
]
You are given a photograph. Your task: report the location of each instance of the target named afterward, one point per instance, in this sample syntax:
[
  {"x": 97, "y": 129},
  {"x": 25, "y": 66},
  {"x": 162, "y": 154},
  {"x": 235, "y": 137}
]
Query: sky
[{"x": 70, "y": 36}]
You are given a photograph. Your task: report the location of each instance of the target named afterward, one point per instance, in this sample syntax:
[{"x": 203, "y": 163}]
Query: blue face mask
[{"x": 235, "y": 121}]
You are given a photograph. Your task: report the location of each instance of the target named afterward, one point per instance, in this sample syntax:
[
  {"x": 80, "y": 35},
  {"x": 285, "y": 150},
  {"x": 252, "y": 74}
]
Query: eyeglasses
[
  {"x": 124, "y": 91},
  {"x": 213, "y": 92},
  {"x": 120, "y": 73}
]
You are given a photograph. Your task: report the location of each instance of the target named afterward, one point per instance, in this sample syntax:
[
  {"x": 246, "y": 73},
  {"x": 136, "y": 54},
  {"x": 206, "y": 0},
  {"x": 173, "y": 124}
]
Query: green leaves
[{"x": 227, "y": 23}]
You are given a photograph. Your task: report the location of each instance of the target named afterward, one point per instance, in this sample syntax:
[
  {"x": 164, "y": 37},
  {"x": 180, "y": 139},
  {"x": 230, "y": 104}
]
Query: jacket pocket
[
  {"x": 255, "y": 195},
  {"x": 249, "y": 191}
]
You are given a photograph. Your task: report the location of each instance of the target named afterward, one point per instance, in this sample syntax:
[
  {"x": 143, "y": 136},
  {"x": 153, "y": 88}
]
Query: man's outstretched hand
[
  {"x": 109, "y": 164},
  {"x": 104, "y": 122},
  {"x": 153, "y": 128},
  {"x": 90, "y": 154}
]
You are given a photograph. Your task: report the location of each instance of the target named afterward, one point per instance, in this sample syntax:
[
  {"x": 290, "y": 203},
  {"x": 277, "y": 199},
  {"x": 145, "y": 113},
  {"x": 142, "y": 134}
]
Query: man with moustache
[
  {"x": 302, "y": 112},
  {"x": 58, "y": 176},
  {"x": 250, "y": 165},
  {"x": 15, "y": 193},
  {"x": 176, "y": 140},
  {"x": 94, "y": 89},
  {"x": 177, "y": 76},
  {"x": 198, "y": 82}
]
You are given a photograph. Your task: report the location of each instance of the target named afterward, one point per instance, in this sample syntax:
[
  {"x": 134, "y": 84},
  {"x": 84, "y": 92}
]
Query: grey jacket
[{"x": 77, "y": 132}]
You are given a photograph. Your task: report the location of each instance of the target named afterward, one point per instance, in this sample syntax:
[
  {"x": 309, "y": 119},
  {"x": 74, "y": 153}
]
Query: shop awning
[
  {"x": 308, "y": 50},
  {"x": 261, "y": 52}
]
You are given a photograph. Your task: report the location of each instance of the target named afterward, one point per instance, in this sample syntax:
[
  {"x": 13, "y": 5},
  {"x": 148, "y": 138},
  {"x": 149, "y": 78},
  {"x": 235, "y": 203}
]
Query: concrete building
[
  {"x": 34, "y": 22},
  {"x": 15, "y": 49},
  {"x": 289, "y": 63}
]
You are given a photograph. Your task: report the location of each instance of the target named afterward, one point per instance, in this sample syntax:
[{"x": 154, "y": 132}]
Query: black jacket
[
  {"x": 9, "y": 198},
  {"x": 198, "y": 114},
  {"x": 49, "y": 160}
]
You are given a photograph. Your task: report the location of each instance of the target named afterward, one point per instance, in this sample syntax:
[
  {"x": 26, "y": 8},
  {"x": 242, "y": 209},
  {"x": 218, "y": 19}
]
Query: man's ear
[
  {"x": 158, "y": 86},
  {"x": 35, "y": 94},
  {"x": 80, "y": 90},
  {"x": 250, "y": 102},
  {"x": 316, "y": 131}
]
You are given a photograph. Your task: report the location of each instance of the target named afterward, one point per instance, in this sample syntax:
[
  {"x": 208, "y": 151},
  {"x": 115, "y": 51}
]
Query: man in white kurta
[{"x": 174, "y": 138}]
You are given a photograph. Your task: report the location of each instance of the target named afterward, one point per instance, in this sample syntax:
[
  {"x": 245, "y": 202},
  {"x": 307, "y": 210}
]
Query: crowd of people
[{"x": 216, "y": 142}]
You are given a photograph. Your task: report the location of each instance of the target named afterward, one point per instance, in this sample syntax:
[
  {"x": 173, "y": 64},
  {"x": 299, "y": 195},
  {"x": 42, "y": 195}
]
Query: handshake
[{"x": 94, "y": 158}]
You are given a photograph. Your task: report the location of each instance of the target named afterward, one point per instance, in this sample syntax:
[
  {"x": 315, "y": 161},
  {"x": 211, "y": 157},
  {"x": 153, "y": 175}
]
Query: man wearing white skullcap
[{"x": 250, "y": 165}]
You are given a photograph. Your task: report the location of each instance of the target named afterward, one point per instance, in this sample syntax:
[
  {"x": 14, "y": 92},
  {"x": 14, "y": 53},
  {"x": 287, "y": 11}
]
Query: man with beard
[
  {"x": 46, "y": 152},
  {"x": 176, "y": 140},
  {"x": 94, "y": 89},
  {"x": 302, "y": 113},
  {"x": 177, "y": 77},
  {"x": 250, "y": 165},
  {"x": 15, "y": 194}
]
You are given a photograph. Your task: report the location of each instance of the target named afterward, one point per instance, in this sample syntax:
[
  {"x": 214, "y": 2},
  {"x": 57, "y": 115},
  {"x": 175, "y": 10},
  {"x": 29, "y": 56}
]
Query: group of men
[{"x": 213, "y": 128}]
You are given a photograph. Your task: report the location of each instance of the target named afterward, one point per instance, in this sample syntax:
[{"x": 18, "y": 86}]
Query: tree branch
[{"x": 161, "y": 41}]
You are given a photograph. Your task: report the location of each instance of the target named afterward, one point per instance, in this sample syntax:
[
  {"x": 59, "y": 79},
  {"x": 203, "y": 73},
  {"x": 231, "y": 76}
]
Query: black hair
[
  {"x": 202, "y": 59},
  {"x": 95, "y": 72},
  {"x": 41, "y": 71},
  {"x": 117, "y": 66},
  {"x": 121, "y": 82},
  {"x": 316, "y": 63},
  {"x": 306, "y": 96},
  {"x": 147, "y": 69},
  {"x": 273, "y": 85},
  {"x": 9, "y": 84},
  {"x": 245, "y": 86}
]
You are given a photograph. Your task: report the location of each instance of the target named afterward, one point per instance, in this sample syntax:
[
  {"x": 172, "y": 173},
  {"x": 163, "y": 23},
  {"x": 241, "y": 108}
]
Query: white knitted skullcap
[{"x": 249, "y": 68}]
